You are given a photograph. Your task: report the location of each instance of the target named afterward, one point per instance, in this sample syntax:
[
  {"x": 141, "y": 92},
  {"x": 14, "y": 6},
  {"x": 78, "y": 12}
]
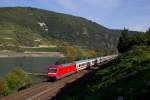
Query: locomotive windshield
[{"x": 52, "y": 70}]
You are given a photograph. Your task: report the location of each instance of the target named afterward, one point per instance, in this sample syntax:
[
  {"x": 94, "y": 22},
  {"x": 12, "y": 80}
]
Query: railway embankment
[{"x": 124, "y": 78}]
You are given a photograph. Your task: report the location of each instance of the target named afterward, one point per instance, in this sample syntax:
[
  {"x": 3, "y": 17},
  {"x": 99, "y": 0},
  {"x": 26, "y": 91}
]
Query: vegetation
[
  {"x": 73, "y": 53},
  {"x": 123, "y": 41},
  {"x": 125, "y": 78},
  {"x": 13, "y": 81},
  {"x": 41, "y": 49},
  {"x": 21, "y": 26},
  {"x": 17, "y": 36},
  {"x": 127, "y": 41}
]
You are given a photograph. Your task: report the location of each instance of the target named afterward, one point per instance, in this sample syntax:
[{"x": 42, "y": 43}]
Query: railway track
[{"x": 46, "y": 90}]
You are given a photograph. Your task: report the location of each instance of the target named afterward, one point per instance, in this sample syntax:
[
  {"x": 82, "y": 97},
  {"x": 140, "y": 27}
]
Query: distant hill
[{"x": 30, "y": 26}]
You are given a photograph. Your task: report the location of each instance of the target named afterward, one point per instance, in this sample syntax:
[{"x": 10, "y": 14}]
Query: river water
[{"x": 29, "y": 64}]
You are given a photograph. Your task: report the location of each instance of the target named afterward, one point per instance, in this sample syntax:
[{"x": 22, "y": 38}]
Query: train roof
[
  {"x": 82, "y": 61},
  {"x": 67, "y": 64},
  {"x": 61, "y": 65}
]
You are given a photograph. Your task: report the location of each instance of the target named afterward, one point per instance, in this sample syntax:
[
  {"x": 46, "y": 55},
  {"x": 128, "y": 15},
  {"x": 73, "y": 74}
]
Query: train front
[{"x": 52, "y": 72}]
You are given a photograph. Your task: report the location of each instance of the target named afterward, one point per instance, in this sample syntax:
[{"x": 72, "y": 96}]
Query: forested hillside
[{"x": 31, "y": 27}]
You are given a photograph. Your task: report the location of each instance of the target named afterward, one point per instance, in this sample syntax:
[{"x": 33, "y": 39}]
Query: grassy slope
[
  {"x": 128, "y": 76},
  {"x": 9, "y": 32}
]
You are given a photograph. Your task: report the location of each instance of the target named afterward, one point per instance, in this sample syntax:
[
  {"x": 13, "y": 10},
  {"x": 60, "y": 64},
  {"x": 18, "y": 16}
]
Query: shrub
[
  {"x": 4, "y": 90},
  {"x": 17, "y": 79},
  {"x": 13, "y": 81}
]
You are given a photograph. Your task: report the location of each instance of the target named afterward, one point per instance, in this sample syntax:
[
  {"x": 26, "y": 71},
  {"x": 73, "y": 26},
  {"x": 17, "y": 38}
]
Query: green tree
[
  {"x": 148, "y": 31},
  {"x": 123, "y": 43}
]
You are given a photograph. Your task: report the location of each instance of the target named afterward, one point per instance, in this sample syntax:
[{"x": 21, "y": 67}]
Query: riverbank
[{"x": 12, "y": 54}]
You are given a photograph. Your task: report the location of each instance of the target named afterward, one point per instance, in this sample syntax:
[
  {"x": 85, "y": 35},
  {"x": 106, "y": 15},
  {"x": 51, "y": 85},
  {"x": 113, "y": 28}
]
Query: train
[{"x": 59, "y": 71}]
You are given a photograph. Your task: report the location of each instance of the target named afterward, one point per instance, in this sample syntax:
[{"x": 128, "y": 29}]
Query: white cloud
[{"x": 139, "y": 27}]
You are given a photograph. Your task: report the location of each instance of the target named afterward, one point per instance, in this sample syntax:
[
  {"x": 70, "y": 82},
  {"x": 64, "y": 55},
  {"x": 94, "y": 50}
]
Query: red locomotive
[{"x": 59, "y": 71}]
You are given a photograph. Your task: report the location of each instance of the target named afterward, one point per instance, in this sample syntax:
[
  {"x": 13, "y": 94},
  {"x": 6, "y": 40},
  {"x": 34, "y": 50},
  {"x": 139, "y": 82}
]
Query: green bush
[
  {"x": 17, "y": 78},
  {"x": 13, "y": 81}
]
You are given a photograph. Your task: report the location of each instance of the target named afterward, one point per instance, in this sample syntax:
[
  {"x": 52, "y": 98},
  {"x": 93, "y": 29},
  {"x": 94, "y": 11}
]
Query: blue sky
[{"x": 115, "y": 14}]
